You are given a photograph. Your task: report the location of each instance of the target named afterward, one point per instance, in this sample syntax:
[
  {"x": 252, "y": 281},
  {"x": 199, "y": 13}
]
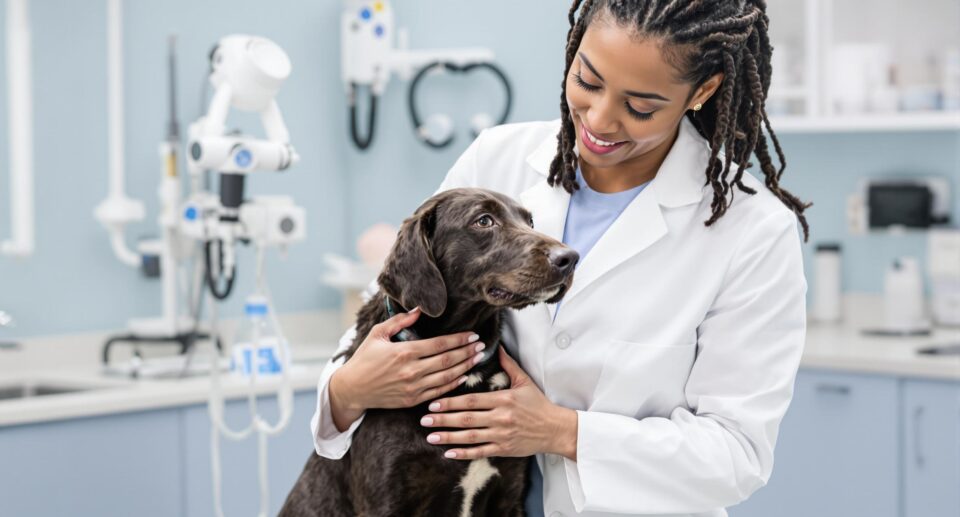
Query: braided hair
[{"x": 702, "y": 38}]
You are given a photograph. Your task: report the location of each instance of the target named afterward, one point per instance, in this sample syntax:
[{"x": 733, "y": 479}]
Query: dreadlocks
[{"x": 701, "y": 38}]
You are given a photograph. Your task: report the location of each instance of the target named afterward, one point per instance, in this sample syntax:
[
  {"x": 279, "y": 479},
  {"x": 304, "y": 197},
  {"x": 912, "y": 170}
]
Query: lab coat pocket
[{"x": 642, "y": 379}]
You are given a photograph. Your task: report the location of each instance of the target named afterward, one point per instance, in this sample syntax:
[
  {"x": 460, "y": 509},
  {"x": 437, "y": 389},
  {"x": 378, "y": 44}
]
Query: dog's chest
[{"x": 478, "y": 475}]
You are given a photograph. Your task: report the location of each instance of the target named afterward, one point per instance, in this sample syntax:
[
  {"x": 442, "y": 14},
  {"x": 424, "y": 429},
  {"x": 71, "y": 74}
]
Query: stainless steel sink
[{"x": 22, "y": 390}]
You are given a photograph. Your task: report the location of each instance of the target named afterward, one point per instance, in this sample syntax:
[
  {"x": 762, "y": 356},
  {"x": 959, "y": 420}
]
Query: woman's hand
[
  {"x": 384, "y": 374},
  {"x": 519, "y": 421}
]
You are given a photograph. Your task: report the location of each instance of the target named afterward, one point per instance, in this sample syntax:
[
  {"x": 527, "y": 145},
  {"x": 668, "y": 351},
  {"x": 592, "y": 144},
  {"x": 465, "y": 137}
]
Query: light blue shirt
[{"x": 589, "y": 215}]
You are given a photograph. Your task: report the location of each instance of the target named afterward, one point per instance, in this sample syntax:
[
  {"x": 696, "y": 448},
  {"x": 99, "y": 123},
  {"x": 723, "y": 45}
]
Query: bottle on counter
[{"x": 827, "y": 286}]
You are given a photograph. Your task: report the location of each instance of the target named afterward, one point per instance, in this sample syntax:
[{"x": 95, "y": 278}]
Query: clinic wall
[{"x": 73, "y": 283}]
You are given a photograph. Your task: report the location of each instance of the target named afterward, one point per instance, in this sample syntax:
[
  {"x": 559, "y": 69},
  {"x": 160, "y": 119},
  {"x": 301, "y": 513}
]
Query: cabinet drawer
[
  {"x": 837, "y": 453},
  {"x": 931, "y": 448}
]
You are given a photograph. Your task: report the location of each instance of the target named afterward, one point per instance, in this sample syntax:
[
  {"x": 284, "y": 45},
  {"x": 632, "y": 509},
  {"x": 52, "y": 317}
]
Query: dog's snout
[{"x": 563, "y": 259}]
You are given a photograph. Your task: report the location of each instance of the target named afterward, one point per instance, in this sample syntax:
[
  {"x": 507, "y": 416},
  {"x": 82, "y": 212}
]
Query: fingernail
[
  {"x": 433, "y": 438},
  {"x": 480, "y": 347},
  {"x": 478, "y": 358},
  {"x": 472, "y": 338},
  {"x": 450, "y": 454},
  {"x": 414, "y": 310},
  {"x": 426, "y": 421},
  {"x": 436, "y": 405}
]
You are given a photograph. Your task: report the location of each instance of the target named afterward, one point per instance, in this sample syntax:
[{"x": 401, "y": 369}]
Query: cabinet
[
  {"x": 931, "y": 449},
  {"x": 864, "y": 445},
  {"x": 865, "y": 65},
  {"x": 148, "y": 464},
  {"x": 837, "y": 453}
]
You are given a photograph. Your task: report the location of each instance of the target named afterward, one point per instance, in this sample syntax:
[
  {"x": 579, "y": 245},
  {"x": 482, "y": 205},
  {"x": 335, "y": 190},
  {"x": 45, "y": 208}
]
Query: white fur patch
[
  {"x": 478, "y": 473},
  {"x": 473, "y": 379},
  {"x": 499, "y": 381}
]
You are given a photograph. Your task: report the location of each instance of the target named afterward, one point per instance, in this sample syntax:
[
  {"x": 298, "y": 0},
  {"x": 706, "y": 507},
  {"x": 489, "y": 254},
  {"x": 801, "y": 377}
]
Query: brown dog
[{"x": 464, "y": 256}]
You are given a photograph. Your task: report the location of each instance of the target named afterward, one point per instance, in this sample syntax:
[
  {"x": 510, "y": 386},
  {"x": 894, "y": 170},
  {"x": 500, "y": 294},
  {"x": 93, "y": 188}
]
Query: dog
[{"x": 463, "y": 257}]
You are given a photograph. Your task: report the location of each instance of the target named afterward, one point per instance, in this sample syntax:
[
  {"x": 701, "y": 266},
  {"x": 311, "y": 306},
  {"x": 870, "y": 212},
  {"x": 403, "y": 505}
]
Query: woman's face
[{"x": 624, "y": 98}]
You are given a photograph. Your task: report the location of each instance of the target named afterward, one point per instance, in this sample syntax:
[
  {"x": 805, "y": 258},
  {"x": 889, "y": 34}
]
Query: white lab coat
[{"x": 678, "y": 344}]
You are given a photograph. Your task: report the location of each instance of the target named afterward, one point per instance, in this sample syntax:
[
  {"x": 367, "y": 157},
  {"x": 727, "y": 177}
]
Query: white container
[
  {"x": 943, "y": 265},
  {"x": 903, "y": 296},
  {"x": 950, "y": 79},
  {"x": 827, "y": 285}
]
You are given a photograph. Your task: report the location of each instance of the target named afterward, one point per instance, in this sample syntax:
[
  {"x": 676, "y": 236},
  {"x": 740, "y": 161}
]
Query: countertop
[{"x": 840, "y": 347}]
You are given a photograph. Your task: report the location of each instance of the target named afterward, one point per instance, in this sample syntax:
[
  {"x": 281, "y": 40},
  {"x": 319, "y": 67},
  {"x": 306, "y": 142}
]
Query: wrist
[
  {"x": 340, "y": 390},
  {"x": 564, "y": 433}
]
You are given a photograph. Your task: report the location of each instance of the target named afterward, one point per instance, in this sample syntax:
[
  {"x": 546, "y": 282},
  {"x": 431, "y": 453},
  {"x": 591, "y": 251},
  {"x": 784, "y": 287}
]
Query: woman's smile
[{"x": 596, "y": 144}]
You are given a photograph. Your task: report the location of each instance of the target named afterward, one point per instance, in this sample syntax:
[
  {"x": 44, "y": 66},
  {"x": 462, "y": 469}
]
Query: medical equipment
[
  {"x": 20, "y": 131},
  {"x": 161, "y": 257},
  {"x": 368, "y": 59},
  {"x": 260, "y": 316},
  {"x": 246, "y": 72},
  {"x": 117, "y": 210},
  {"x": 899, "y": 202},
  {"x": 437, "y": 130}
]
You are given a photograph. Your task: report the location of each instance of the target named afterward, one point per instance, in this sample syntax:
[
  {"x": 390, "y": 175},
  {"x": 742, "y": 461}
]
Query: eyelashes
[
  {"x": 585, "y": 85},
  {"x": 592, "y": 88}
]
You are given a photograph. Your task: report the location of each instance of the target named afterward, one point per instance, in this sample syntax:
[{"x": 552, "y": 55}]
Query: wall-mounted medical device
[
  {"x": 915, "y": 202},
  {"x": 246, "y": 72},
  {"x": 369, "y": 58}
]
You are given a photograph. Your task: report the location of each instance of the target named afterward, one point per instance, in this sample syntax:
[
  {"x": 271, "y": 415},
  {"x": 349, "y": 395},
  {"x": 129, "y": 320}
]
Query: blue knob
[
  {"x": 243, "y": 158},
  {"x": 365, "y": 13},
  {"x": 190, "y": 214},
  {"x": 378, "y": 30}
]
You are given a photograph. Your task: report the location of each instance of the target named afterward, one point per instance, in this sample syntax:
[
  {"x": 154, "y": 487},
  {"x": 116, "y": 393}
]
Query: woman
[{"x": 659, "y": 382}]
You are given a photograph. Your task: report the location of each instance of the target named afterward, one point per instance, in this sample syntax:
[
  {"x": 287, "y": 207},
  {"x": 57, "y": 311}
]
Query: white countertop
[{"x": 836, "y": 347}]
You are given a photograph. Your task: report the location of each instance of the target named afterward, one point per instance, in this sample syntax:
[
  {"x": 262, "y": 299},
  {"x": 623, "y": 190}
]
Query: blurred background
[{"x": 104, "y": 218}]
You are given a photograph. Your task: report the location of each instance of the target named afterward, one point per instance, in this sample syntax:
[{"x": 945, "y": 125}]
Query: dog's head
[{"x": 475, "y": 245}]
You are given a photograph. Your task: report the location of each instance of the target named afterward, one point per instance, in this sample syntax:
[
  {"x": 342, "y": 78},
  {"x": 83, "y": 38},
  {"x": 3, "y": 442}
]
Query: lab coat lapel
[
  {"x": 679, "y": 182},
  {"x": 640, "y": 225}
]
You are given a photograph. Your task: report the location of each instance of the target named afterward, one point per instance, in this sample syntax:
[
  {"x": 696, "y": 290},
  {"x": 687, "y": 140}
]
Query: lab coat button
[{"x": 563, "y": 340}]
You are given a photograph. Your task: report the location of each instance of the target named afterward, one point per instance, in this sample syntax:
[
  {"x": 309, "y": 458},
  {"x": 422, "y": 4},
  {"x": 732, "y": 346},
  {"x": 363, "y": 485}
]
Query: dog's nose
[{"x": 563, "y": 259}]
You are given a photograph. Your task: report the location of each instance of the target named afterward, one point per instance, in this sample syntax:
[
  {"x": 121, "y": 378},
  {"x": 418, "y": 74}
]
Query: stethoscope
[{"x": 437, "y": 130}]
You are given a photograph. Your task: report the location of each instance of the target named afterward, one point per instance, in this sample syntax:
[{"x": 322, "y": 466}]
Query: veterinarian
[{"x": 658, "y": 384}]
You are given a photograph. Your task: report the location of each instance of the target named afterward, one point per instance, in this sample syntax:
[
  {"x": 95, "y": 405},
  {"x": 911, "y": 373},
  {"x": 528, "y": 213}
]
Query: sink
[
  {"x": 952, "y": 349},
  {"x": 22, "y": 390}
]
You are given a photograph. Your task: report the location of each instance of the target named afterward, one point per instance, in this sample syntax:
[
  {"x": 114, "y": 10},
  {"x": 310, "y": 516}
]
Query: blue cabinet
[
  {"x": 931, "y": 449},
  {"x": 148, "y": 464},
  {"x": 121, "y": 465},
  {"x": 837, "y": 453}
]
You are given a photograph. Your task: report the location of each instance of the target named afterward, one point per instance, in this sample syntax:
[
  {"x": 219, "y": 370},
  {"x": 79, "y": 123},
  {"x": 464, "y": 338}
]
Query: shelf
[{"x": 919, "y": 121}]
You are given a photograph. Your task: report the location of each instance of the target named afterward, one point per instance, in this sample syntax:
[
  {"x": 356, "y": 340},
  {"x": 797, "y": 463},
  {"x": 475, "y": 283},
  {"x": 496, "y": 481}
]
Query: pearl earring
[{"x": 697, "y": 106}]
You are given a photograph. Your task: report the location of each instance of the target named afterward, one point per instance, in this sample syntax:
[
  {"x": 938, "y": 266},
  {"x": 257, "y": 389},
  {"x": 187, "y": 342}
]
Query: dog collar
[
  {"x": 405, "y": 334},
  {"x": 409, "y": 335}
]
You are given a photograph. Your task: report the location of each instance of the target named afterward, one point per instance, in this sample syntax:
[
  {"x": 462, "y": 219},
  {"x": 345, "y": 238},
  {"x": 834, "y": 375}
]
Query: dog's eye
[
  {"x": 485, "y": 221},
  {"x": 530, "y": 222}
]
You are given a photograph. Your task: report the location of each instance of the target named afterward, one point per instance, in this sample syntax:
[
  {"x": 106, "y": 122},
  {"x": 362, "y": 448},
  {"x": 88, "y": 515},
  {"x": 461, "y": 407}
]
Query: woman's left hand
[{"x": 519, "y": 421}]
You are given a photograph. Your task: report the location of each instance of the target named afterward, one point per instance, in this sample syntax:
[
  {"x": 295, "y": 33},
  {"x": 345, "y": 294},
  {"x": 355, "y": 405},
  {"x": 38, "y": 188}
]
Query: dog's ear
[{"x": 410, "y": 274}]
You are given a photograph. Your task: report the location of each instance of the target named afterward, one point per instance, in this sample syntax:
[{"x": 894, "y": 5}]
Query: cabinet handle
[
  {"x": 837, "y": 389},
  {"x": 918, "y": 457}
]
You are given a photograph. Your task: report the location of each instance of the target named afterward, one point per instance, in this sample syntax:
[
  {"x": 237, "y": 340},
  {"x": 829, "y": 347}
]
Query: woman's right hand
[{"x": 385, "y": 374}]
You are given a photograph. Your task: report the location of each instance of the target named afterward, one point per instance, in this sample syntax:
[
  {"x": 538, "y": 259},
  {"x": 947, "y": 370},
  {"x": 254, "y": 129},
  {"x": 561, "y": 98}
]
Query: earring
[{"x": 697, "y": 106}]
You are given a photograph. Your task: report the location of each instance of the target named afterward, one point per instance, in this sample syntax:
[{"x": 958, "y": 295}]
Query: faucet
[{"x": 6, "y": 320}]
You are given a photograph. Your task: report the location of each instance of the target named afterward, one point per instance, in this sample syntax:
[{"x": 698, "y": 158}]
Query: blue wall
[{"x": 73, "y": 282}]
